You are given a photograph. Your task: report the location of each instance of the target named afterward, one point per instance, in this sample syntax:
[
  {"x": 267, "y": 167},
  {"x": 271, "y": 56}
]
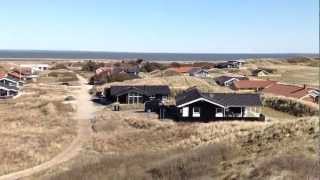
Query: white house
[{"x": 36, "y": 67}]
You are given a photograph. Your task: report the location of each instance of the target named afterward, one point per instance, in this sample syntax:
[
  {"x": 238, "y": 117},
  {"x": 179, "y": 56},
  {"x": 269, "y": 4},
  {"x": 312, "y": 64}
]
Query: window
[
  {"x": 164, "y": 98},
  {"x": 134, "y": 98},
  {"x": 196, "y": 112},
  {"x": 219, "y": 112},
  {"x": 185, "y": 112}
]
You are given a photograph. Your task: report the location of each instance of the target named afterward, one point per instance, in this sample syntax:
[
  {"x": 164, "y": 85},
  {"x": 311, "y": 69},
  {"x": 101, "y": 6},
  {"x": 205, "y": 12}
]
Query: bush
[
  {"x": 149, "y": 67},
  {"x": 59, "y": 66},
  {"x": 204, "y": 65},
  {"x": 119, "y": 77},
  {"x": 91, "y": 66},
  {"x": 290, "y": 106},
  {"x": 175, "y": 65}
]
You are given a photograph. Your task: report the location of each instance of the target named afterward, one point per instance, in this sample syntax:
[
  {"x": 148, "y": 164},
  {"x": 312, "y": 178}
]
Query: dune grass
[{"x": 34, "y": 127}]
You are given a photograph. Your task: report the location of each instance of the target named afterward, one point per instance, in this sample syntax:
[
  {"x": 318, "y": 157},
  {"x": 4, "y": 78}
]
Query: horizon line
[{"x": 155, "y": 52}]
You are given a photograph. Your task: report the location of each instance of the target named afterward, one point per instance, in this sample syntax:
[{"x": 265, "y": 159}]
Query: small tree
[{"x": 175, "y": 64}]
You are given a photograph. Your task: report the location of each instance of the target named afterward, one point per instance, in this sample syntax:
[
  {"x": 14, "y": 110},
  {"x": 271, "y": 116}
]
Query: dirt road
[{"x": 85, "y": 111}]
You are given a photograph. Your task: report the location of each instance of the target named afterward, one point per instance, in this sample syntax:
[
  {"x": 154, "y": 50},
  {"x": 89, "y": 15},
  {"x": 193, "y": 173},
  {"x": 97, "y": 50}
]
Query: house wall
[
  {"x": 123, "y": 99},
  {"x": 3, "y": 92},
  {"x": 207, "y": 112},
  {"x": 9, "y": 83}
]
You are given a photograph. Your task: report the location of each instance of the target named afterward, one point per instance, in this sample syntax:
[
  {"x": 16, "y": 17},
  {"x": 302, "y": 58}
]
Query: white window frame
[
  {"x": 218, "y": 113},
  {"x": 164, "y": 98},
  {"x": 185, "y": 111},
  {"x": 134, "y": 96},
  {"x": 196, "y": 113}
]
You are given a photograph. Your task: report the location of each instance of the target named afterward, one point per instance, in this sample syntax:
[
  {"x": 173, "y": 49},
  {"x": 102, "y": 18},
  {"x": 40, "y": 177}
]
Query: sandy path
[{"x": 85, "y": 111}]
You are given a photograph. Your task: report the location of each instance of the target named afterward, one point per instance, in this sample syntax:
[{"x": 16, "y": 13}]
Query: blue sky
[{"x": 203, "y": 26}]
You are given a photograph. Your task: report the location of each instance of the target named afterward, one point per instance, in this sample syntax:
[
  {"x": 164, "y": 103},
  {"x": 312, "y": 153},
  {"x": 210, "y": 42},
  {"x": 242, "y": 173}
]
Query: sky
[{"x": 202, "y": 26}]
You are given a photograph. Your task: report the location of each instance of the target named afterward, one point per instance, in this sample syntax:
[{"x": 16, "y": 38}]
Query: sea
[{"x": 91, "y": 55}]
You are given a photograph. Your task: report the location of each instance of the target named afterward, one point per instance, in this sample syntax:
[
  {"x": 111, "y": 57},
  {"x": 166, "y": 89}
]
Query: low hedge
[{"x": 290, "y": 106}]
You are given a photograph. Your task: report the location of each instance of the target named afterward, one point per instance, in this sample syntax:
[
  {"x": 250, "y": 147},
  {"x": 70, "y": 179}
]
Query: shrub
[
  {"x": 119, "y": 77},
  {"x": 149, "y": 67},
  {"x": 91, "y": 66},
  {"x": 204, "y": 65},
  {"x": 175, "y": 65},
  {"x": 290, "y": 106},
  {"x": 59, "y": 66}
]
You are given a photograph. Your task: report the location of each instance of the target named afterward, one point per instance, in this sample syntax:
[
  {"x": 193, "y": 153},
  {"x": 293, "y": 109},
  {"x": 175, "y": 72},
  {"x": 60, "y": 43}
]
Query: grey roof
[
  {"x": 13, "y": 88},
  {"x": 223, "y": 99},
  {"x": 142, "y": 89},
  {"x": 223, "y": 79},
  {"x": 11, "y": 78}
]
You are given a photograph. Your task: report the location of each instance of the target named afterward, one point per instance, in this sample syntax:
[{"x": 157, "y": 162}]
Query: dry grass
[
  {"x": 134, "y": 145},
  {"x": 292, "y": 73},
  {"x": 176, "y": 83},
  {"x": 34, "y": 127},
  {"x": 259, "y": 153},
  {"x": 59, "y": 76},
  {"x": 291, "y": 106}
]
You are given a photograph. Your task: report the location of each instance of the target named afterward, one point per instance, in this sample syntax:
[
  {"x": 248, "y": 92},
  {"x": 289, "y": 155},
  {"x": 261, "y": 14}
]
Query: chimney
[{"x": 304, "y": 86}]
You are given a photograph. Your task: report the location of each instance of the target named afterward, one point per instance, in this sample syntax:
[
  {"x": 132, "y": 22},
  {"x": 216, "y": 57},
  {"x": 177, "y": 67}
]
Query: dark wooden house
[
  {"x": 228, "y": 64},
  {"x": 193, "y": 105},
  {"x": 136, "y": 94},
  {"x": 11, "y": 81},
  {"x": 228, "y": 80},
  {"x": 7, "y": 91},
  {"x": 198, "y": 72}
]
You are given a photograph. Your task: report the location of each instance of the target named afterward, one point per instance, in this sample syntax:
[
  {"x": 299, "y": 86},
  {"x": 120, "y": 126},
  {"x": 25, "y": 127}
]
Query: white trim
[
  {"x": 219, "y": 113},
  {"x": 194, "y": 113},
  {"x": 200, "y": 99},
  {"x": 10, "y": 80},
  {"x": 1, "y": 87},
  {"x": 5, "y": 78},
  {"x": 232, "y": 79},
  {"x": 185, "y": 111}
]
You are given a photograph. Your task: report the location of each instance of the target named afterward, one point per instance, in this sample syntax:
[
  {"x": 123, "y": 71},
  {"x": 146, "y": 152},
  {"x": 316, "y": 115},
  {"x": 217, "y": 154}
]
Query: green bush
[
  {"x": 290, "y": 106},
  {"x": 119, "y": 77},
  {"x": 91, "y": 66},
  {"x": 151, "y": 66}
]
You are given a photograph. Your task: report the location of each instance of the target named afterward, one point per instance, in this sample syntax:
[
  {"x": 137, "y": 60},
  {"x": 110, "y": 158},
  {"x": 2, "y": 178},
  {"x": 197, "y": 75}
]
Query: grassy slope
[
  {"x": 277, "y": 150},
  {"x": 34, "y": 127},
  {"x": 133, "y": 145}
]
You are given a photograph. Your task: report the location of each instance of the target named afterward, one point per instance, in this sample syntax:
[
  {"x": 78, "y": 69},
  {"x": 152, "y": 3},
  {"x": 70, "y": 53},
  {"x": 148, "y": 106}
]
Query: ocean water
[{"x": 145, "y": 56}]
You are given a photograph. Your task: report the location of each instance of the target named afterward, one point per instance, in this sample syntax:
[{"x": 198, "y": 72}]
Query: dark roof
[
  {"x": 142, "y": 89},
  {"x": 188, "y": 95},
  {"x": 256, "y": 71},
  {"x": 14, "y": 88},
  {"x": 227, "y": 64},
  {"x": 196, "y": 70},
  {"x": 11, "y": 78},
  {"x": 223, "y": 99},
  {"x": 223, "y": 79}
]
